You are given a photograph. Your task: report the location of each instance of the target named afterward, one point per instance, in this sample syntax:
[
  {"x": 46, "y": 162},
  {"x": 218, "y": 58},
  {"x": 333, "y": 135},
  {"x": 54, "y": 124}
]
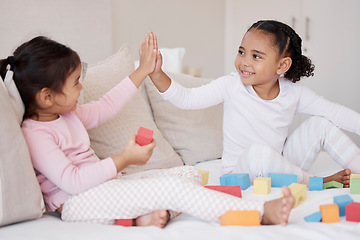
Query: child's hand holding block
[{"x": 144, "y": 136}]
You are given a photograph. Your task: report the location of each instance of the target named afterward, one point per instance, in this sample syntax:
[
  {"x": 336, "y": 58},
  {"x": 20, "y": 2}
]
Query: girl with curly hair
[{"x": 260, "y": 101}]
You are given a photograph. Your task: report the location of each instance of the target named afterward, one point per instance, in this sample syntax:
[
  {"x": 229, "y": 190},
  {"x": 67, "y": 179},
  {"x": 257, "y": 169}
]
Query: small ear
[
  {"x": 284, "y": 65},
  {"x": 45, "y": 97}
]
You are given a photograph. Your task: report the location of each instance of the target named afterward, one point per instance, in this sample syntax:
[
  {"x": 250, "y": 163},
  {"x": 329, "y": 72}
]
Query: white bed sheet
[{"x": 188, "y": 227}]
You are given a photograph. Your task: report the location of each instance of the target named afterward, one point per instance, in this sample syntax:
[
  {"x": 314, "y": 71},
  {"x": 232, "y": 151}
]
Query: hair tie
[{"x": 11, "y": 61}]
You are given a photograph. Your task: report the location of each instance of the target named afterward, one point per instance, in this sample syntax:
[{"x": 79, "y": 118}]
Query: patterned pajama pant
[
  {"x": 300, "y": 151},
  {"x": 177, "y": 189}
]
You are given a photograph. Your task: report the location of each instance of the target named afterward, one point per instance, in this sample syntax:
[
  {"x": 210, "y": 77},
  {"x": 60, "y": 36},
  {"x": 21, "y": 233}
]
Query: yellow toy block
[
  {"x": 298, "y": 191},
  {"x": 262, "y": 185},
  {"x": 354, "y": 176},
  {"x": 330, "y": 213},
  {"x": 240, "y": 218},
  {"x": 205, "y": 176}
]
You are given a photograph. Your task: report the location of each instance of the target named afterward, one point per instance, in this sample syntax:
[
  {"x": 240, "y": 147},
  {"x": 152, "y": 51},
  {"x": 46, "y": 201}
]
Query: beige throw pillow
[
  {"x": 20, "y": 194},
  {"x": 196, "y": 135},
  {"x": 110, "y": 138}
]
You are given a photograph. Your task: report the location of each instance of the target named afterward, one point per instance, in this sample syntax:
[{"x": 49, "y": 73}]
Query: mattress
[{"x": 187, "y": 227}]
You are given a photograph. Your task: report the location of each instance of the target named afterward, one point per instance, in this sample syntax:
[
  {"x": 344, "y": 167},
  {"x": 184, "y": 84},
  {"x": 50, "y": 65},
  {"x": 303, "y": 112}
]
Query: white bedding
[{"x": 187, "y": 227}]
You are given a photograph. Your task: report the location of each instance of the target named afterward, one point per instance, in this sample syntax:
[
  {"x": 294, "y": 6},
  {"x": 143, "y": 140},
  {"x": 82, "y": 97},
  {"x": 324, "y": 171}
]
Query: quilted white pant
[
  {"x": 300, "y": 151},
  {"x": 177, "y": 189}
]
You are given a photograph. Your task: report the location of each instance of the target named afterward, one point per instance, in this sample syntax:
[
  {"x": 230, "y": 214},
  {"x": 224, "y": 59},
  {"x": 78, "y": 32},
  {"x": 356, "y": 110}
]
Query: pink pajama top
[{"x": 60, "y": 151}]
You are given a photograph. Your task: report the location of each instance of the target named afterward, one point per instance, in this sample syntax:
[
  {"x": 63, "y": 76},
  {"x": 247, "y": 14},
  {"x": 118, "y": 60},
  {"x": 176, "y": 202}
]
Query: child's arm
[
  {"x": 133, "y": 154},
  {"x": 147, "y": 53},
  {"x": 158, "y": 77}
]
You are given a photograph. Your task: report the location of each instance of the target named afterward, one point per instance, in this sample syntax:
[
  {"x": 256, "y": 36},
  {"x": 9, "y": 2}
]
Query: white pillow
[
  {"x": 196, "y": 135},
  {"x": 172, "y": 59},
  {"x": 110, "y": 138},
  {"x": 20, "y": 194}
]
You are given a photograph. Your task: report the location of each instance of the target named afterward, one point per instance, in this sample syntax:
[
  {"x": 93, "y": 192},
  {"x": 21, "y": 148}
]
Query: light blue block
[
  {"x": 282, "y": 179},
  {"x": 315, "y": 217},
  {"x": 315, "y": 184},
  {"x": 342, "y": 201},
  {"x": 242, "y": 179}
]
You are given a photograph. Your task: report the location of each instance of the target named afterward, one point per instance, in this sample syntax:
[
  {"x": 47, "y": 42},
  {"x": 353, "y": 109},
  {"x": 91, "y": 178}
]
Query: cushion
[
  {"x": 20, "y": 194},
  {"x": 111, "y": 137},
  {"x": 196, "y": 135}
]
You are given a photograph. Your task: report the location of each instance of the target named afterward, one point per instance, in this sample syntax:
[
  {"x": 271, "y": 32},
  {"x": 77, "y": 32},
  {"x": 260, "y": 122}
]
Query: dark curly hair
[
  {"x": 37, "y": 64},
  {"x": 289, "y": 44}
]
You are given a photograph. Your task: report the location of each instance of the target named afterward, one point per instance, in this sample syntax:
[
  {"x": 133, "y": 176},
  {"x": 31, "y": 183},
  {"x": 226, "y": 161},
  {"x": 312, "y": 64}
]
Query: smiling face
[
  {"x": 258, "y": 61},
  {"x": 67, "y": 100}
]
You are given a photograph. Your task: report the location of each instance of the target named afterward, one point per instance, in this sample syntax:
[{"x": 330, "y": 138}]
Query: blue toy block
[
  {"x": 241, "y": 179},
  {"x": 315, "y": 217},
  {"x": 315, "y": 184},
  {"x": 342, "y": 201},
  {"x": 282, "y": 179}
]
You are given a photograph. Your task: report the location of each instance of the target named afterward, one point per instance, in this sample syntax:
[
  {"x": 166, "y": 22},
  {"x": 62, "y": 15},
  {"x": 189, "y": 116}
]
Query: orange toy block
[
  {"x": 144, "y": 136},
  {"x": 240, "y": 218},
  {"x": 205, "y": 176},
  {"x": 262, "y": 185},
  {"x": 330, "y": 213},
  {"x": 124, "y": 222},
  {"x": 234, "y": 190}
]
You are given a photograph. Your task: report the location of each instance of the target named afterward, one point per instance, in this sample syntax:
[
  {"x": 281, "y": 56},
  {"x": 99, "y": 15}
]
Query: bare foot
[
  {"x": 277, "y": 211},
  {"x": 158, "y": 218},
  {"x": 342, "y": 176}
]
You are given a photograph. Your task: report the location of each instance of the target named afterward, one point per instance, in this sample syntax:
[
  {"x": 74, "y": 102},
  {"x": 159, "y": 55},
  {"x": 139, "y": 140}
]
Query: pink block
[
  {"x": 124, "y": 222},
  {"x": 234, "y": 190},
  {"x": 144, "y": 136},
  {"x": 352, "y": 212}
]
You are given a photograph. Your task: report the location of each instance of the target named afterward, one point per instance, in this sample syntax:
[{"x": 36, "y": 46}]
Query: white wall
[
  {"x": 84, "y": 25},
  {"x": 198, "y": 26}
]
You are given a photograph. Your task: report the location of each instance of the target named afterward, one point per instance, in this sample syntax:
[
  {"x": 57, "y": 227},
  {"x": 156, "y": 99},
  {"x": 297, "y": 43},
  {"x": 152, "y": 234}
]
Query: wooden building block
[
  {"x": 342, "y": 201},
  {"x": 262, "y": 185},
  {"x": 144, "y": 136},
  {"x": 241, "y": 179},
  {"x": 355, "y": 186},
  {"x": 282, "y": 179},
  {"x": 352, "y": 212},
  {"x": 234, "y": 190},
  {"x": 315, "y": 217},
  {"x": 205, "y": 176},
  {"x": 330, "y": 213},
  {"x": 354, "y": 176},
  {"x": 240, "y": 218},
  {"x": 299, "y": 191},
  {"x": 333, "y": 184},
  {"x": 124, "y": 222},
  {"x": 315, "y": 184}
]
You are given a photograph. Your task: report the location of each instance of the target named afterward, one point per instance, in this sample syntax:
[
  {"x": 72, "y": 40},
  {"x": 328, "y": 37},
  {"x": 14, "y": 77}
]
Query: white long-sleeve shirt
[{"x": 249, "y": 119}]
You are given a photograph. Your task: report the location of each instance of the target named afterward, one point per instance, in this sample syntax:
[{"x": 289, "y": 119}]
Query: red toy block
[
  {"x": 144, "y": 136},
  {"x": 124, "y": 222},
  {"x": 234, "y": 190},
  {"x": 352, "y": 211}
]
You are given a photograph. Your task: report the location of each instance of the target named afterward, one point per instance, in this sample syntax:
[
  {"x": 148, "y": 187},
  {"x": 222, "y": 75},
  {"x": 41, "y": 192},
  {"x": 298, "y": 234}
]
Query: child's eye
[
  {"x": 240, "y": 52},
  {"x": 256, "y": 56}
]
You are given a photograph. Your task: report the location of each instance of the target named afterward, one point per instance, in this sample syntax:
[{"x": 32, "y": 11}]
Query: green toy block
[
  {"x": 355, "y": 186},
  {"x": 333, "y": 184}
]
